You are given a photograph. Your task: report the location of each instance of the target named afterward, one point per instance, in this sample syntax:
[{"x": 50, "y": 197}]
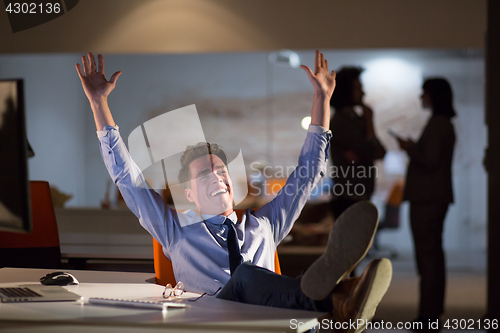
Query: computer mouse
[{"x": 58, "y": 279}]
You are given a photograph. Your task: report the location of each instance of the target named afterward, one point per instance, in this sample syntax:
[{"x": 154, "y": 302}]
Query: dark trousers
[
  {"x": 256, "y": 285},
  {"x": 427, "y": 227}
]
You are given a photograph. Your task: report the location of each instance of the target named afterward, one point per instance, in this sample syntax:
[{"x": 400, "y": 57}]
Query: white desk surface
[{"x": 206, "y": 314}]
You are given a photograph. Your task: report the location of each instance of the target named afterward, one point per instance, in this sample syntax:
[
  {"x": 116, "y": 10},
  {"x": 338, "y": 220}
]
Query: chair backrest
[
  {"x": 274, "y": 185},
  {"x": 395, "y": 197},
  {"x": 394, "y": 200},
  {"x": 41, "y": 247},
  {"x": 163, "y": 266}
]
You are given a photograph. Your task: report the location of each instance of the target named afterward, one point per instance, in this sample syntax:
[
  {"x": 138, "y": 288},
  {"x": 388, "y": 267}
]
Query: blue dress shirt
[{"x": 198, "y": 250}]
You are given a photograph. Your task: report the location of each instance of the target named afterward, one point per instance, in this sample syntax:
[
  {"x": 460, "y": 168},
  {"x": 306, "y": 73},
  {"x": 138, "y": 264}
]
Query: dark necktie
[{"x": 233, "y": 247}]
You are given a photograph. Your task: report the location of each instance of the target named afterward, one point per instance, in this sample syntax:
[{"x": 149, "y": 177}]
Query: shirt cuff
[
  {"x": 105, "y": 131},
  {"x": 317, "y": 129}
]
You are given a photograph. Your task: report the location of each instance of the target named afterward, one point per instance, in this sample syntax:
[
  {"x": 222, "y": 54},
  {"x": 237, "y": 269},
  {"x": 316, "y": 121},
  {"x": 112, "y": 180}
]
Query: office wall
[
  {"x": 55, "y": 113},
  {"x": 179, "y": 26},
  {"x": 234, "y": 94}
]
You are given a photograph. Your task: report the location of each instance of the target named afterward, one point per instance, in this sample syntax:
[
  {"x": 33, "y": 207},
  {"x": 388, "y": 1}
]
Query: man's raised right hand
[{"x": 93, "y": 80}]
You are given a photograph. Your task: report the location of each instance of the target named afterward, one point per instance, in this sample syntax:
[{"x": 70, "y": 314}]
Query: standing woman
[{"x": 429, "y": 191}]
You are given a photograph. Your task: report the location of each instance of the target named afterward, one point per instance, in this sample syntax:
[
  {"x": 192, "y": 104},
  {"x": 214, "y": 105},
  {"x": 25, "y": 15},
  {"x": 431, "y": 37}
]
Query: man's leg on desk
[
  {"x": 256, "y": 285},
  {"x": 349, "y": 301},
  {"x": 324, "y": 286}
]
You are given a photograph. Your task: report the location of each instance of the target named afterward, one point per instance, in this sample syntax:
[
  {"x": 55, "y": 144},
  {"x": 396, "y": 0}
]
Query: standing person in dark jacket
[
  {"x": 354, "y": 146},
  {"x": 429, "y": 191}
]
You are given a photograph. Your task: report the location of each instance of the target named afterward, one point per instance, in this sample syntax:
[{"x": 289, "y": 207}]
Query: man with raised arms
[{"x": 211, "y": 249}]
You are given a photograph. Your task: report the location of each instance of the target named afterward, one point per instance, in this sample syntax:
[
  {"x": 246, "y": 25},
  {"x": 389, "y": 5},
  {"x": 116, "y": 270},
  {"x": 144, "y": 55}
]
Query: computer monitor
[{"x": 15, "y": 208}]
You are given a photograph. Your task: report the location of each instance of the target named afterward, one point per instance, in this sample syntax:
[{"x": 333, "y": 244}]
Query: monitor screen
[{"x": 15, "y": 206}]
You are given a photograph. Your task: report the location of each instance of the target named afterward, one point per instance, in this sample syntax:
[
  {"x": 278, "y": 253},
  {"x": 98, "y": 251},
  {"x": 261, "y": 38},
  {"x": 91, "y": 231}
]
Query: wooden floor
[{"x": 465, "y": 297}]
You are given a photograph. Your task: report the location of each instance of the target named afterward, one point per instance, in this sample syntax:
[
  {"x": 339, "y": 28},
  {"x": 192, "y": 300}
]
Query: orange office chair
[
  {"x": 40, "y": 248},
  {"x": 390, "y": 220},
  {"x": 163, "y": 267},
  {"x": 274, "y": 185}
]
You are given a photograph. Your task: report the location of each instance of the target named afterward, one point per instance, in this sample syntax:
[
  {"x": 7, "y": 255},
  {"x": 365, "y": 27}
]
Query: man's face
[{"x": 211, "y": 189}]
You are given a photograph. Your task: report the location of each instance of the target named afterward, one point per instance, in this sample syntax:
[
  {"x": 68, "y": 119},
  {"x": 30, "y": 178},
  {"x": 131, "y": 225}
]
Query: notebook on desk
[{"x": 36, "y": 293}]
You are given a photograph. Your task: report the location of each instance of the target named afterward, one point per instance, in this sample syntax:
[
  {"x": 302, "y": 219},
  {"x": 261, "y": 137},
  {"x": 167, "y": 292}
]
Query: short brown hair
[{"x": 193, "y": 152}]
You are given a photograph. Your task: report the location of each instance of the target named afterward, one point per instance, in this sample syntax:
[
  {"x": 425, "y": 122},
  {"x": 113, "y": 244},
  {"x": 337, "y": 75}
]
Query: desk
[
  {"x": 206, "y": 314},
  {"x": 90, "y": 233}
]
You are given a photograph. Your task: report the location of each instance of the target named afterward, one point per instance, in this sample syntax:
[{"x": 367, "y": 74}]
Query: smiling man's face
[{"x": 210, "y": 187}]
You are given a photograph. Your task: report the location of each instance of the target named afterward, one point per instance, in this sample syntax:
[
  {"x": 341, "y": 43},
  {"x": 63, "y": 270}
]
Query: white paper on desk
[{"x": 136, "y": 291}]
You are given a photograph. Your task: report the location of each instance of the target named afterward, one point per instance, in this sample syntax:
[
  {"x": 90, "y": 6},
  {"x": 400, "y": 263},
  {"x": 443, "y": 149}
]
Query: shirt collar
[{"x": 219, "y": 219}]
